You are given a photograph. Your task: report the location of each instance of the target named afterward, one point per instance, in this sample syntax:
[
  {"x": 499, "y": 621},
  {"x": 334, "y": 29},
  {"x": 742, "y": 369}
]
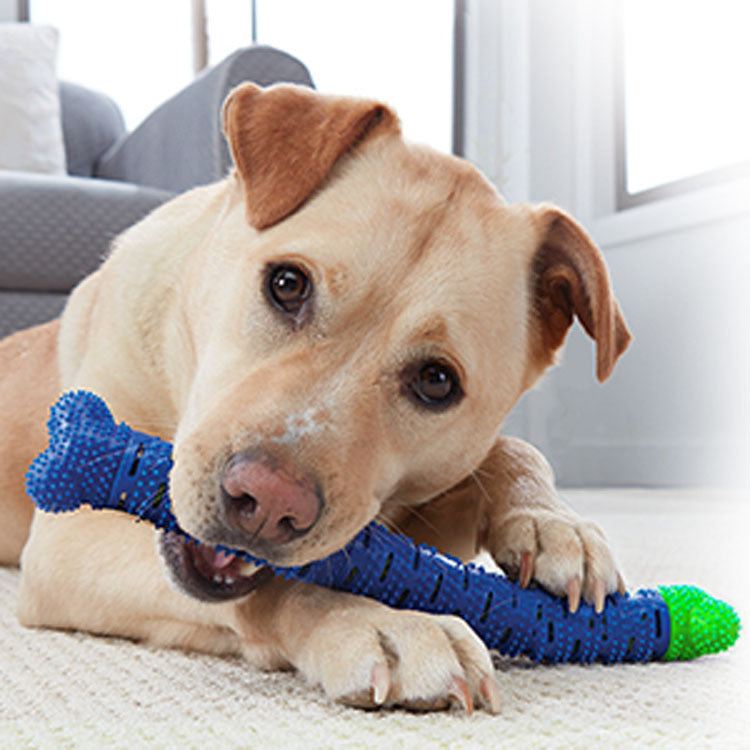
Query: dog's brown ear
[
  {"x": 570, "y": 277},
  {"x": 285, "y": 139}
]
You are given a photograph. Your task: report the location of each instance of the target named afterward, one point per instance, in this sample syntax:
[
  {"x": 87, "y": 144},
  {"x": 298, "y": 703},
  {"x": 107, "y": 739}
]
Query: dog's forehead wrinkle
[
  {"x": 434, "y": 222},
  {"x": 410, "y": 203}
]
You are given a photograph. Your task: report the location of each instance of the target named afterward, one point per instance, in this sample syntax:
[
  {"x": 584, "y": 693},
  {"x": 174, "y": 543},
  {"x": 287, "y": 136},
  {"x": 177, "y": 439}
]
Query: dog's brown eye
[
  {"x": 434, "y": 384},
  {"x": 288, "y": 287}
]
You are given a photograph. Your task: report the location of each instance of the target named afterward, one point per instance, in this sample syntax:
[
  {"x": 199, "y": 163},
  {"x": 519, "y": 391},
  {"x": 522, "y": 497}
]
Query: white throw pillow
[{"x": 31, "y": 137}]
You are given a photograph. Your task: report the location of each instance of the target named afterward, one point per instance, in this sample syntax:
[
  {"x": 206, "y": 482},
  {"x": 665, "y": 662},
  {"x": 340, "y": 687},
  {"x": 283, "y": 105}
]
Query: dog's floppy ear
[
  {"x": 570, "y": 277},
  {"x": 285, "y": 139}
]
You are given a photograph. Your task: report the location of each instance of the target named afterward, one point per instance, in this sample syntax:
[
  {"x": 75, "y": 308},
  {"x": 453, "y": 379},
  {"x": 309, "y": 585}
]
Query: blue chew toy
[{"x": 93, "y": 461}]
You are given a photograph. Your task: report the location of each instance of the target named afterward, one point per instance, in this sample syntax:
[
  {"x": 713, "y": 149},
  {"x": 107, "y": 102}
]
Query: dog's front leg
[
  {"x": 510, "y": 507},
  {"x": 99, "y": 571},
  {"x": 531, "y": 532},
  {"x": 364, "y": 653}
]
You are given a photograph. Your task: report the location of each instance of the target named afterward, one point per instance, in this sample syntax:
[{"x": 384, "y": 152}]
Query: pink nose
[{"x": 268, "y": 503}]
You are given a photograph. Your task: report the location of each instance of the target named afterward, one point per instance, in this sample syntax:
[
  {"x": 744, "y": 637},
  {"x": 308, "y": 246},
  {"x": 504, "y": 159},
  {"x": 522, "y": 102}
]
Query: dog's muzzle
[
  {"x": 265, "y": 506},
  {"x": 203, "y": 572},
  {"x": 266, "y": 503}
]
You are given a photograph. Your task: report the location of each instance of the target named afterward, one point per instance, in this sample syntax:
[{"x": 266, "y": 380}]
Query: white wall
[
  {"x": 8, "y": 9},
  {"x": 677, "y": 410}
]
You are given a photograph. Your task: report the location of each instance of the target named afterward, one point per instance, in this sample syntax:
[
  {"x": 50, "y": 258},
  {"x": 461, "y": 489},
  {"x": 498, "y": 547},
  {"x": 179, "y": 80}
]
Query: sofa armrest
[
  {"x": 56, "y": 230},
  {"x": 92, "y": 124},
  {"x": 181, "y": 145}
]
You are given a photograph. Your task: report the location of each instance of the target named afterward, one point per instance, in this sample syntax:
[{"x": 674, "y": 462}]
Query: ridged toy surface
[{"x": 91, "y": 460}]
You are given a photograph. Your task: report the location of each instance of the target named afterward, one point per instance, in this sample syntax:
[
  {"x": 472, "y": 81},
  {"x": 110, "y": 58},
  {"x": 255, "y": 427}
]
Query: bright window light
[
  {"x": 138, "y": 52},
  {"x": 687, "y": 78},
  {"x": 398, "y": 51},
  {"x": 230, "y": 26}
]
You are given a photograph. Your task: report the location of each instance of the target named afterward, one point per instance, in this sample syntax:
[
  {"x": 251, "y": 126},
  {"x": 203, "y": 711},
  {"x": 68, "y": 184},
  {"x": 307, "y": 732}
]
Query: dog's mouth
[{"x": 205, "y": 573}]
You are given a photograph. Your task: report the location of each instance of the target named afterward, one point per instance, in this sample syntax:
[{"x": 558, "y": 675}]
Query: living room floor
[{"x": 72, "y": 690}]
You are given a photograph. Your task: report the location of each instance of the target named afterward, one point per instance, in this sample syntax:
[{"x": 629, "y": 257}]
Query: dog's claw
[
  {"x": 621, "y": 587},
  {"x": 527, "y": 568},
  {"x": 491, "y": 693},
  {"x": 459, "y": 690},
  {"x": 573, "y": 590},
  {"x": 600, "y": 593},
  {"x": 380, "y": 683}
]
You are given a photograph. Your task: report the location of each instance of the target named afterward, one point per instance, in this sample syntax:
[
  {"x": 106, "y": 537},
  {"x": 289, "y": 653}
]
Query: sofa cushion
[
  {"x": 55, "y": 230},
  {"x": 30, "y": 125}
]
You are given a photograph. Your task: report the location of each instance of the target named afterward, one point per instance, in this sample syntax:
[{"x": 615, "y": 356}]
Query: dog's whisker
[
  {"x": 389, "y": 523},
  {"x": 475, "y": 476},
  {"x": 392, "y": 527},
  {"x": 483, "y": 472},
  {"x": 417, "y": 514},
  {"x": 346, "y": 554}
]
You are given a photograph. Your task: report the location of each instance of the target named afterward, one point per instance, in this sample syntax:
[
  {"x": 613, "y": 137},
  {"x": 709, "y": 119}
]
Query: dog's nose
[{"x": 268, "y": 503}]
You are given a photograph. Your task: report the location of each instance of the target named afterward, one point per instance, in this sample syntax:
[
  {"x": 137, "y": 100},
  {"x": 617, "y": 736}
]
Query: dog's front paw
[
  {"x": 565, "y": 554},
  {"x": 368, "y": 655}
]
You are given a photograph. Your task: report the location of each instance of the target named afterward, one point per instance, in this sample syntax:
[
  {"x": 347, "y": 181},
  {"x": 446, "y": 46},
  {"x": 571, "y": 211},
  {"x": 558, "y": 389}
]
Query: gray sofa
[{"x": 55, "y": 230}]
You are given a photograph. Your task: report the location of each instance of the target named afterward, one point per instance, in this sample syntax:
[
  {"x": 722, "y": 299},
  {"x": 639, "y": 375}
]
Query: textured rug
[{"x": 71, "y": 690}]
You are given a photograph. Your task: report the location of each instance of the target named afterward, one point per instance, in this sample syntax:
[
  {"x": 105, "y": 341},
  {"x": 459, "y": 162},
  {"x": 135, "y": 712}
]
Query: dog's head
[{"x": 363, "y": 315}]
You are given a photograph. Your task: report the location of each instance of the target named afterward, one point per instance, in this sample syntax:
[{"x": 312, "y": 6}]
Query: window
[
  {"x": 141, "y": 52},
  {"x": 138, "y": 52},
  {"x": 229, "y": 26},
  {"x": 684, "y": 110},
  {"x": 399, "y": 51}
]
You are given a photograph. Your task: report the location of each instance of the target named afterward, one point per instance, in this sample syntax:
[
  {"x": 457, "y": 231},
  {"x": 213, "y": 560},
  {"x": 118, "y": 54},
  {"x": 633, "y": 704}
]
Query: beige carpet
[{"x": 69, "y": 690}]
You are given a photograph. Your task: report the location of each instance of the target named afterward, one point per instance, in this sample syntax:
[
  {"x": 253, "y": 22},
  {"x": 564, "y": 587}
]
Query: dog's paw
[
  {"x": 371, "y": 656},
  {"x": 565, "y": 554}
]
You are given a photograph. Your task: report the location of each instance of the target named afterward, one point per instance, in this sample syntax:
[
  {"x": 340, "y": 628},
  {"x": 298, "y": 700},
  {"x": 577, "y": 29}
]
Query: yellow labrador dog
[{"x": 332, "y": 334}]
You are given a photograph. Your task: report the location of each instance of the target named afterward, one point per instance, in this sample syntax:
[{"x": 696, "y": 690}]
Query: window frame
[
  {"x": 540, "y": 120},
  {"x": 598, "y": 161},
  {"x": 696, "y": 182},
  {"x": 459, "y": 76}
]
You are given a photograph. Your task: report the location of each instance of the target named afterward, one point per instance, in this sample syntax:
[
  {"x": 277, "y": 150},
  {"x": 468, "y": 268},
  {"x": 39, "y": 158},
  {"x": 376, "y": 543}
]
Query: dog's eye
[
  {"x": 434, "y": 384},
  {"x": 288, "y": 287}
]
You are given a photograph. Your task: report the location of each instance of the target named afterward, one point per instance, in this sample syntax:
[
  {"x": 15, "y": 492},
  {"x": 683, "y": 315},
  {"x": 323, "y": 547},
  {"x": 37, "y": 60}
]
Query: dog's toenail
[
  {"x": 459, "y": 690},
  {"x": 380, "y": 683}
]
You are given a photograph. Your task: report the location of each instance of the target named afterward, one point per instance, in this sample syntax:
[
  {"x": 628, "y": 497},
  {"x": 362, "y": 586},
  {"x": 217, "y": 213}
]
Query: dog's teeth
[
  {"x": 218, "y": 579},
  {"x": 247, "y": 569},
  {"x": 229, "y": 581}
]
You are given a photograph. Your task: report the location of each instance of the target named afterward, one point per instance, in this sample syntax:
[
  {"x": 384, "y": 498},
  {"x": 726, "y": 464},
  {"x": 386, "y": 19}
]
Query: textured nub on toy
[
  {"x": 700, "y": 624},
  {"x": 91, "y": 460}
]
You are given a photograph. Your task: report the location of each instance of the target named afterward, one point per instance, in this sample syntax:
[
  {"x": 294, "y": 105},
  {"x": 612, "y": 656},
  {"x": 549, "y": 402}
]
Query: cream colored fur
[{"x": 411, "y": 254}]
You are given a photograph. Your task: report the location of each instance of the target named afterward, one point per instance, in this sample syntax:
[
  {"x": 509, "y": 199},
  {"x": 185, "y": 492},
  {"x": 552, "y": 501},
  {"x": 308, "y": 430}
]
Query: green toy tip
[{"x": 699, "y": 623}]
